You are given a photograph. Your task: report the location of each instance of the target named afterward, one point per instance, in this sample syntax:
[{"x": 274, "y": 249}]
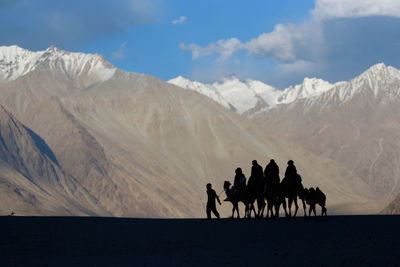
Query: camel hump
[{"x": 320, "y": 194}]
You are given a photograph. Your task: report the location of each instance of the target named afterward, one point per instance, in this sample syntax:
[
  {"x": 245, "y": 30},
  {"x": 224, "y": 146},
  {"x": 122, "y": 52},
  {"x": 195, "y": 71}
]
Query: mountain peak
[
  {"x": 308, "y": 88},
  {"x": 379, "y": 66},
  {"x": 52, "y": 48},
  {"x": 16, "y": 62}
]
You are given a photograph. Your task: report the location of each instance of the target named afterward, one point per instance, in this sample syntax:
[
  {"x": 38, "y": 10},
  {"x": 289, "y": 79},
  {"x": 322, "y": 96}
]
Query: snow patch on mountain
[
  {"x": 204, "y": 89},
  {"x": 251, "y": 96},
  {"x": 382, "y": 81},
  {"x": 16, "y": 62},
  {"x": 234, "y": 93},
  {"x": 309, "y": 88}
]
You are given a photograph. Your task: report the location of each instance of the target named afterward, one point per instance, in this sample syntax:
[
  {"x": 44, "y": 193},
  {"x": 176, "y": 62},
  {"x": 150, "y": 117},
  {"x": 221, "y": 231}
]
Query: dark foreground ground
[{"x": 74, "y": 241}]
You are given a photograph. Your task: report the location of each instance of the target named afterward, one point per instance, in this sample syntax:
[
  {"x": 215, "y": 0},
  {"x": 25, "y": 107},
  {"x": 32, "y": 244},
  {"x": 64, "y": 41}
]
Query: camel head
[{"x": 227, "y": 186}]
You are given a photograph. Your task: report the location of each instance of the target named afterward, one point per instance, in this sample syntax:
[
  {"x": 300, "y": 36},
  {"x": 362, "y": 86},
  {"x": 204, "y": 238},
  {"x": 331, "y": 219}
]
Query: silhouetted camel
[
  {"x": 313, "y": 197},
  {"x": 239, "y": 195},
  {"x": 272, "y": 189},
  {"x": 292, "y": 187},
  {"x": 255, "y": 192},
  {"x": 255, "y": 187}
]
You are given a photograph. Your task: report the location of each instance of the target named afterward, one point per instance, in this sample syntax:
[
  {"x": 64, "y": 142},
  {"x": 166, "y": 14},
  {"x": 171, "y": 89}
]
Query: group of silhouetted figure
[{"x": 267, "y": 190}]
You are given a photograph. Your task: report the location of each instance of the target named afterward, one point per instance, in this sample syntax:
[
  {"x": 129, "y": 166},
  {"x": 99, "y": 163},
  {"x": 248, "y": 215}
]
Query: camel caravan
[{"x": 266, "y": 186}]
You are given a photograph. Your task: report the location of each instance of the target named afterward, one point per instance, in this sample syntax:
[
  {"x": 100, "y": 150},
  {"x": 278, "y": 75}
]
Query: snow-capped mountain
[
  {"x": 309, "y": 88},
  {"x": 243, "y": 97},
  {"x": 204, "y": 89},
  {"x": 16, "y": 62},
  {"x": 252, "y": 96},
  {"x": 380, "y": 81}
]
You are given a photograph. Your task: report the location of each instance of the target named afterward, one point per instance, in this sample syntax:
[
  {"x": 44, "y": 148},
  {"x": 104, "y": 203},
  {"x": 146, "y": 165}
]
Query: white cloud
[
  {"x": 277, "y": 44},
  {"x": 285, "y": 43},
  {"x": 119, "y": 54},
  {"x": 181, "y": 20},
  {"x": 328, "y": 9},
  {"x": 224, "y": 47},
  {"x": 293, "y": 42}
]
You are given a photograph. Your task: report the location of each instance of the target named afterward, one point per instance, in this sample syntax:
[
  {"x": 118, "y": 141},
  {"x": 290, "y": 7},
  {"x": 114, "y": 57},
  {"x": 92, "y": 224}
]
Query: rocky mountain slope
[
  {"x": 355, "y": 123},
  {"x": 31, "y": 180}
]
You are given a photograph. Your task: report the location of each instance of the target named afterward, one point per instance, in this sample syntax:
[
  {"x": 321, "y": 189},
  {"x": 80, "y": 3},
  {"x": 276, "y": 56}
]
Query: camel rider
[
  {"x": 291, "y": 172},
  {"x": 211, "y": 197},
  {"x": 271, "y": 172},
  {"x": 240, "y": 180},
  {"x": 256, "y": 174}
]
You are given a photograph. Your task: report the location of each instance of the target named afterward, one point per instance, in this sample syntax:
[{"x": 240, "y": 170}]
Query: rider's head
[
  {"x": 272, "y": 161},
  {"x": 290, "y": 162},
  {"x": 238, "y": 171},
  {"x": 254, "y": 162},
  {"x": 208, "y": 186}
]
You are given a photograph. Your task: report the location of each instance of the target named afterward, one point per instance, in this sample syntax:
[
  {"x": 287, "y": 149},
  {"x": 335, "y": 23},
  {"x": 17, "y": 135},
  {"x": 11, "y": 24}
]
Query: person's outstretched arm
[{"x": 218, "y": 198}]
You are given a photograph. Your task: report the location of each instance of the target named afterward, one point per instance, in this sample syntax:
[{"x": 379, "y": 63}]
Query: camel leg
[
  {"x": 304, "y": 207},
  {"x": 323, "y": 211},
  {"x": 277, "y": 206},
  {"x": 290, "y": 200},
  {"x": 261, "y": 210},
  {"x": 313, "y": 209},
  {"x": 296, "y": 206},
  {"x": 270, "y": 209},
  {"x": 254, "y": 210},
  {"x": 284, "y": 207},
  {"x": 237, "y": 210}
]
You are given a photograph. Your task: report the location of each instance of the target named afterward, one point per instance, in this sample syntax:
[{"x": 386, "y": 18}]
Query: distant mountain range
[
  {"x": 80, "y": 136},
  {"x": 250, "y": 96}
]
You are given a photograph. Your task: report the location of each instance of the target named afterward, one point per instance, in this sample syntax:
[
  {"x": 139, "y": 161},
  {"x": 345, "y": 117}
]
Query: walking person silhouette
[{"x": 212, "y": 196}]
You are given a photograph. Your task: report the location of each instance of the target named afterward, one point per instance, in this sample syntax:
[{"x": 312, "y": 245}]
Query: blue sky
[{"x": 278, "y": 42}]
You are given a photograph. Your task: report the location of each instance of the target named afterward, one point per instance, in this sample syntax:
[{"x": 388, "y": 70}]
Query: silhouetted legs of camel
[
  {"x": 292, "y": 198},
  {"x": 260, "y": 206},
  {"x": 280, "y": 200},
  {"x": 312, "y": 209},
  {"x": 235, "y": 208},
  {"x": 304, "y": 206},
  {"x": 271, "y": 202}
]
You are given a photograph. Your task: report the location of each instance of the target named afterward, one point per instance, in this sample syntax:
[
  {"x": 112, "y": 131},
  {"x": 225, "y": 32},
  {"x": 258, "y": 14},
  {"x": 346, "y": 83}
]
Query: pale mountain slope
[{"x": 30, "y": 174}]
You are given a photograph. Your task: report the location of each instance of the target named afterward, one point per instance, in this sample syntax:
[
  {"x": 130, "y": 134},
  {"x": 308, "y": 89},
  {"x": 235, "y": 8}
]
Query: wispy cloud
[
  {"x": 180, "y": 20},
  {"x": 119, "y": 54},
  {"x": 225, "y": 47}
]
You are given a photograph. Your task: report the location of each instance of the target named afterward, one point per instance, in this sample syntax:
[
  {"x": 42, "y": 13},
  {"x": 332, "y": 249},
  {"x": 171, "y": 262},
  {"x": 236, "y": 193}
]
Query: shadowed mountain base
[{"x": 74, "y": 241}]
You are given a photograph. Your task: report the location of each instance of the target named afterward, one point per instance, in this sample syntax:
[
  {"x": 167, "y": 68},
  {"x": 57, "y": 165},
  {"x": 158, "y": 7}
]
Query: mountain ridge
[{"x": 309, "y": 90}]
